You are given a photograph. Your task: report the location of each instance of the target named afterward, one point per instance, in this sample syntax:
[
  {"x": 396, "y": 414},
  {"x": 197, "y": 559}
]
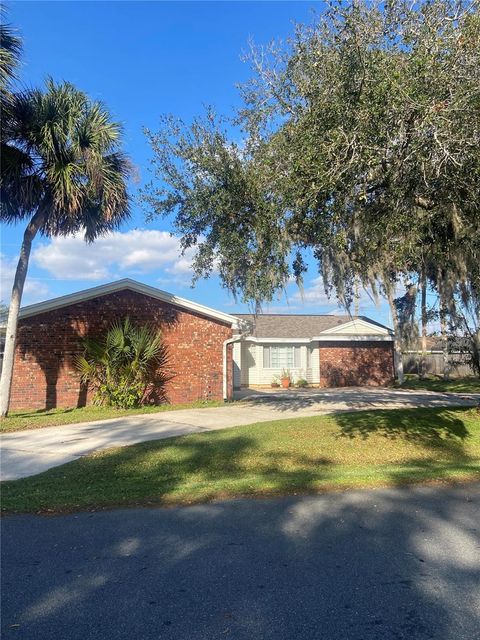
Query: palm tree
[
  {"x": 10, "y": 49},
  {"x": 125, "y": 366},
  {"x": 63, "y": 172}
]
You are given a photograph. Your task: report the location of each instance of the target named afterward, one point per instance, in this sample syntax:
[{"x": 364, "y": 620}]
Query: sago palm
[
  {"x": 125, "y": 365},
  {"x": 64, "y": 173}
]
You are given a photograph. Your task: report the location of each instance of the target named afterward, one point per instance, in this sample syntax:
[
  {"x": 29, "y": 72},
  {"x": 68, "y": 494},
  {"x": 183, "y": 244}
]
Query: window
[{"x": 281, "y": 357}]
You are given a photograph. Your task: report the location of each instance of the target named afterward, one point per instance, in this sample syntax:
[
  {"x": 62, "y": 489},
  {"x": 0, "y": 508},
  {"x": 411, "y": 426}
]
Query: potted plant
[
  {"x": 275, "y": 382},
  {"x": 285, "y": 378}
]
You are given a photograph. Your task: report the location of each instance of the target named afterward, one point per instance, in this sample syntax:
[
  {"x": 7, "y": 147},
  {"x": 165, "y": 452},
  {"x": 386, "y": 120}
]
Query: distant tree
[
  {"x": 360, "y": 140},
  {"x": 62, "y": 172}
]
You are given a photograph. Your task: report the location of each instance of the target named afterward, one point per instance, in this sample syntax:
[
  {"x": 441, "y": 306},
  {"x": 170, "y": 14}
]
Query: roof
[
  {"x": 298, "y": 326},
  {"x": 122, "y": 285}
]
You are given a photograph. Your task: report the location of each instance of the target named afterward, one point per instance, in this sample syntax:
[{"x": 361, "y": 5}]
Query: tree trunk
[
  {"x": 423, "y": 361},
  {"x": 12, "y": 322},
  {"x": 476, "y": 352},
  {"x": 443, "y": 326},
  {"x": 398, "y": 357}
]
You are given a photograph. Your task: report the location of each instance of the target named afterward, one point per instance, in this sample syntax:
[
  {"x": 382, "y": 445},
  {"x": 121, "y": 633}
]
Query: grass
[
  {"x": 362, "y": 449},
  {"x": 20, "y": 420},
  {"x": 437, "y": 383}
]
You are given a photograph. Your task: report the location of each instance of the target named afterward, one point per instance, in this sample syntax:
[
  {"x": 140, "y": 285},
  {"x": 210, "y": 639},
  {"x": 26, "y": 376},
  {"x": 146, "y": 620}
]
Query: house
[
  {"x": 211, "y": 353},
  {"x": 325, "y": 350}
]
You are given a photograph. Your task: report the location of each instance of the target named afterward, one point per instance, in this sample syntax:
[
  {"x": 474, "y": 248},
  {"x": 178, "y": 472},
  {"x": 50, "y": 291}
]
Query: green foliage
[
  {"x": 10, "y": 50},
  {"x": 360, "y": 144},
  {"x": 61, "y": 161},
  {"x": 436, "y": 383},
  {"x": 126, "y": 367},
  {"x": 301, "y": 383}
]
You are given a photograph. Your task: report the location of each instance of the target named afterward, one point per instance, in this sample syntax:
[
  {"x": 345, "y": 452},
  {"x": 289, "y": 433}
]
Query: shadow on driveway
[{"x": 342, "y": 398}]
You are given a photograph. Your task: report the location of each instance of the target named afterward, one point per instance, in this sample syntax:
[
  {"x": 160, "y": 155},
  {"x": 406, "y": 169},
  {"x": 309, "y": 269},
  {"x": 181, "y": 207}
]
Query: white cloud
[
  {"x": 115, "y": 255},
  {"x": 314, "y": 295},
  {"x": 34, "y": 290}
]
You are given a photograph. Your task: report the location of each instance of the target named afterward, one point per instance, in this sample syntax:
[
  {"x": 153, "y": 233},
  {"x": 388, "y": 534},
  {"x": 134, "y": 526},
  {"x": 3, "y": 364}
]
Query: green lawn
[
  {"x": 362, "y": 449},
  {"x": 20, "y": 420},
  {"x": 437, "y": 383}
]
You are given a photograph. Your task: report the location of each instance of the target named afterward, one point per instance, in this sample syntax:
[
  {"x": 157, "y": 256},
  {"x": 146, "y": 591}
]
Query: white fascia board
[
  {"x": 322, "y": 338},
  {"x": 357, "y": 324},
  {"x": 353, "y": 338},
  {"x": 121, "y": 285},
  {"x": 279, "y": 340}
]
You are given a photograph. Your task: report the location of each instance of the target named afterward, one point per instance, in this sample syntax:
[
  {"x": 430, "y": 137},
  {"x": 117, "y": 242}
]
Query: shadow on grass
[
  {"x": 441, "y": 430},
  {"x": 42, "y": 412},
  {"x": 431, "y": 469},
  {"x": 219, "y": 465},
  {"x": 182, "y": 469},
  {"x": 468, "y": 384}
]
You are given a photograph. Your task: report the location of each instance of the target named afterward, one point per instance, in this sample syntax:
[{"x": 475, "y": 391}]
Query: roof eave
[{"x": 122, "y": 285}]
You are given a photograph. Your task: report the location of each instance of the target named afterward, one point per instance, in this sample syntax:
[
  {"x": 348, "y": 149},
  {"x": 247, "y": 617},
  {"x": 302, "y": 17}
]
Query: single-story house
[{"x": 211, "y": 353}]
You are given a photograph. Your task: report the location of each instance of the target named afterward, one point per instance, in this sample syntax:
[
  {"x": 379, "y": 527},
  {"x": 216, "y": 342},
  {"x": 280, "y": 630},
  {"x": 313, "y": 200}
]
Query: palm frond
[
  {"x": 10, "y": 50},
  {"x": 65, "y": 152},
  {"x": 125, "y": 364}
]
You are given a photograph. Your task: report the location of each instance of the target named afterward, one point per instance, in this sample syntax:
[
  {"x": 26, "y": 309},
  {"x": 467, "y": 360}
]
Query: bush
[
  {"x": 302, "y": 383},
  {"x": 126, "y": 366}
]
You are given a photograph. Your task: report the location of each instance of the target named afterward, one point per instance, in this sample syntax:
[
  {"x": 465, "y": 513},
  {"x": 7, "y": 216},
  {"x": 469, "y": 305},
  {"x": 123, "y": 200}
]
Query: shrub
[
  {"x": 126, "y": 367},
  {"x": 301, "y": 383}
]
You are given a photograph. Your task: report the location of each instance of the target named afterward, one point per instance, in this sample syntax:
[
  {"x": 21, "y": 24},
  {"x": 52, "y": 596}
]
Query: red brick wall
[
  {"x": 345, "y": 364},
  {"x": 44, "y": 374}
]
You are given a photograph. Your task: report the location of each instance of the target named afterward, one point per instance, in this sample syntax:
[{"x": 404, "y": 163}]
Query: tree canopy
[{"x": 358, "y": 139}]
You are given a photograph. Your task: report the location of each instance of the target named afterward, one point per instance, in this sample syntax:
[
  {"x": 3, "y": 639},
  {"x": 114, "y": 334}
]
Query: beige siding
[
  {"x": 248, "y": 363},
  {"x": 253, "y": 373},
  {"x": 313, "y": 372},
  {"x": 237, "y": 364}
]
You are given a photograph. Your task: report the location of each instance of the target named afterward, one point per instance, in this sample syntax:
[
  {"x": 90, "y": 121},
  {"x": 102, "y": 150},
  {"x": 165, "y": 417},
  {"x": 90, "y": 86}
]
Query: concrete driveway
[
  {"x": 397, "y": 564},
  {"x": 26, "y": 453}
]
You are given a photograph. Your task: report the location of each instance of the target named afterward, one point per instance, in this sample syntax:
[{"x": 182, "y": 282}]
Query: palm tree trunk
[
  {"x": 397, "y": 345},
  {"x": 423, "y": 361},
  {"x": 12, "y": 322}
]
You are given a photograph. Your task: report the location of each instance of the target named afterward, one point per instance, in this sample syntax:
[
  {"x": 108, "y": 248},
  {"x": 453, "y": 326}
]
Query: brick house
[
  {"x": 325, "y": 350},
  {"x": 210, "y": 352}
]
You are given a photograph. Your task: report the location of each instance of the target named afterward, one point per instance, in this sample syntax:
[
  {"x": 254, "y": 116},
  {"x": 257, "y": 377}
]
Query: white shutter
[
  {"x": 297, "y": 361},
  {"x": 266, "y": 357}
]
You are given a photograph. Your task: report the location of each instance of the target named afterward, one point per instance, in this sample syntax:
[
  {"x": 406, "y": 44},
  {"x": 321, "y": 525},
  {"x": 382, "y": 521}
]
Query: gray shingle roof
[{"x": 293, "y": 325}]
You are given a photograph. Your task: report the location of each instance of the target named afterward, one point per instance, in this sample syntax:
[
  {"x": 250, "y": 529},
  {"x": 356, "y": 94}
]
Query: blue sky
[{"x": 144, "y": 59}]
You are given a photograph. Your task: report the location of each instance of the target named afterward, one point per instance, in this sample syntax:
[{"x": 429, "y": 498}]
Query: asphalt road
[{"x": 385, "y": 564}]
